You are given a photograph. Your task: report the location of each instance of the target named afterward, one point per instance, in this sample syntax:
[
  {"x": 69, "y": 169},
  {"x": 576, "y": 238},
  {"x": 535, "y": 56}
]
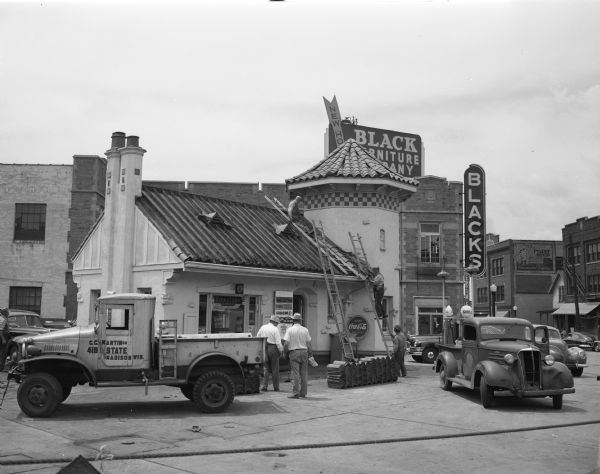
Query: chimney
[{"x": 123, "y": 186}]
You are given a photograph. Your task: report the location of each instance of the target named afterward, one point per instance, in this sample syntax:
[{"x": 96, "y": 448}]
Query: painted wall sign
[
  {"x": 531, "y": 256},
  {"x": 474, "y": 218},
  {"x": 399, "y": 151},
  {"x": 358, "y": 327}
]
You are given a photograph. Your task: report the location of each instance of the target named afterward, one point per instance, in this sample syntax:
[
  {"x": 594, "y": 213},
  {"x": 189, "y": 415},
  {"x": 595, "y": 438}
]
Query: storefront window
[
  {"x": 430, "y": 321},
  {"x": 228, "y": 314}
]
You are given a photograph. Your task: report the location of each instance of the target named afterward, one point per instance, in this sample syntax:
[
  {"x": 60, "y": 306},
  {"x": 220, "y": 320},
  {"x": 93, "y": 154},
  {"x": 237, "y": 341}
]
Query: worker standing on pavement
[
  {"x": 297, "y": 344},
  {"x": 273, "y": 352},
  {"x": 399, "y": 350}
]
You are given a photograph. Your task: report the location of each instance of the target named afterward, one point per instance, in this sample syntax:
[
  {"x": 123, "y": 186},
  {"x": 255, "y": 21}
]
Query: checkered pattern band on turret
[{"x": 350, "y": 199}]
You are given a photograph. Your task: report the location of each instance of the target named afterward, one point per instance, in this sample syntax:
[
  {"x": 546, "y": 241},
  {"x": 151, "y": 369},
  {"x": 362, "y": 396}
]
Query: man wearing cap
[
  {"x": 399, "y": 350},
  {"x": 274, "y": 350},
  {"x": 297, "y": 345}
]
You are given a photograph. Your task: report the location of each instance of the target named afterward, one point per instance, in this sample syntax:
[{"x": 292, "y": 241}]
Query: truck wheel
[
  {"x": 188, "y": 391},
  {"x": 429, "y": 355},
  {"x": 597, "y": 347},
  {"x": 39, "y": 394},
  {"x": 445, "y": 384},
  {"x": 487, "y": 394},
  {"x": 213, "y": 392},
  {"x": 557, "y": 401},
  {"x": 577, "y": 372}
]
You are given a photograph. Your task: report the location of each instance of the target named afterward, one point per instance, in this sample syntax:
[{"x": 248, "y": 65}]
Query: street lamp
[
  {"x": 493, "y": 289},
  {"x": 515, "y": 310}
]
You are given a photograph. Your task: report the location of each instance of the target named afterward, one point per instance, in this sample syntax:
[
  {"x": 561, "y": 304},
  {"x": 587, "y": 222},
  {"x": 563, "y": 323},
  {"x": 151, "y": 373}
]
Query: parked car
[
  {"x": 424, "y": 348},
  {"x": 579, "y": 339},
  {"x": 499, "y": 357},
  {"x": 574, "y": 358},
  {"x": 20, "y": 323}
]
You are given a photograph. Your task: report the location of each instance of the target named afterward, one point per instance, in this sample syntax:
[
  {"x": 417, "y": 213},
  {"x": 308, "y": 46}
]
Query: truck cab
[{"x": 122, "y": 349}]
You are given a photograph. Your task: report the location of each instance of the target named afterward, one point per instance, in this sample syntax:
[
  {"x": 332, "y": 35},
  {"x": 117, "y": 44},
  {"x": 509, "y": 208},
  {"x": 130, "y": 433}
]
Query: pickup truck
[
  {"x": 121, "y": 349},
  {"x": 499, "y": 357},
  {"x": 424, "y": 348}
]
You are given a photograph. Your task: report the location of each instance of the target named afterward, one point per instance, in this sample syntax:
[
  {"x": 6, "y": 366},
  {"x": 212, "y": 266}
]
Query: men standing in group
[
  {"x": 274, "y": 351},
  {"x": 297, "y": 345},
  {"x": 399, "y": 350}
]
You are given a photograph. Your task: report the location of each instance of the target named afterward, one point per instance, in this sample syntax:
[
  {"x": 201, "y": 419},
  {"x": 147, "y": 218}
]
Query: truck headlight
[
  {"x": 509, "y": 359},
  {"x": 549, "y": 360}
]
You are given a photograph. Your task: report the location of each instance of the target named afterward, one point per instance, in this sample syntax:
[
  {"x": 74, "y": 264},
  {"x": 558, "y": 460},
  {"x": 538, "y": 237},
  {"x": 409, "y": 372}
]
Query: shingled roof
[
  {"x": 242, "y": 235},
  {"x": 350, "y": 160}
]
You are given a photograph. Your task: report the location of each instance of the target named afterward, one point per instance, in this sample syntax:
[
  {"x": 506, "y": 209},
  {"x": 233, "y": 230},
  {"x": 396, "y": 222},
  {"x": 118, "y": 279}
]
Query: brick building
[
  {"x": 430, "y": 227},
  {"x": 46, "y": 210},
  {"x": 581, "y": 242},
  {"x": 522, "y": 273}
]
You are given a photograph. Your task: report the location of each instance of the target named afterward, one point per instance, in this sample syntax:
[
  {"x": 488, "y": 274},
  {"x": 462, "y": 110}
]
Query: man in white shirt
[
  {"x": 274, "y": 350},
  {"x": 298, "y": 345}
]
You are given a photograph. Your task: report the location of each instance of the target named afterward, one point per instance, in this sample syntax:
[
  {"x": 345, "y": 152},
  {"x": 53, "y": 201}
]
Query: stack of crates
[{"x": 366, "y": 371}]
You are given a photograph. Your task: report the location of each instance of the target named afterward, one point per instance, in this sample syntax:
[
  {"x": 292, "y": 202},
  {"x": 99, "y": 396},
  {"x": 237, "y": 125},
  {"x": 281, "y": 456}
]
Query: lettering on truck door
[{"x": 116, "y": 341}]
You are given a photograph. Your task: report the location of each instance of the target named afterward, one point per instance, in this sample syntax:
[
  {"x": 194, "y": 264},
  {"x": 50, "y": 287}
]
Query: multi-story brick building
[
  {"x": 581, "y": 241},
  {"x": 430, "y": 242},
  {"x": 45, "y": 211},
  {"x": 518, "y": 278}
]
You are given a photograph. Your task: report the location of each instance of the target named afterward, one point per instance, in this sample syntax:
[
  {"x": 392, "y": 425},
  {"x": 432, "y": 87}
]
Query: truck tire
[
  {"x": 577, "y": 371},
  {"x": 596, "y": 346},
  {"x": 487, "y": 394},
  {"x": 213, "y": 392},
  {"x": 445, "y": 384},
  {"x": 429, "y": 354},
  {"x": 39, "y": 394},
  {"x": 188, "y": 391},
  {"x": 557, "y": 401}
]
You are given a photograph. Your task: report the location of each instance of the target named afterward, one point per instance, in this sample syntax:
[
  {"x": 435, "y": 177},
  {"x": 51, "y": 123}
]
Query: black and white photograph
[{"x": 299, "y": 236}]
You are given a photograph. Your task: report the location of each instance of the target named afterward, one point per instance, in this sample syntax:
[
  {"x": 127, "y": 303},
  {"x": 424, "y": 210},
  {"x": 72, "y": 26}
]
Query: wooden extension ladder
[
  {"x": 337, "y": 305},
  {"x": 365, "y": 270}
]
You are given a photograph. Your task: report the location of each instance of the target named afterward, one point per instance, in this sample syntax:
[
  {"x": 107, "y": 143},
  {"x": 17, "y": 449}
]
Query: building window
[
  {"x": 482, "y": 295},
  {"x": 25, "y": 297},
  {"x": 499, "y": 293},
  {"x": 561, "y": 294},
  {"x": 381, "y": 239},
  {"x": 228, "y": 314},
  {"x": 593, "y": 252},
  {"x": 430, "y": 242},
  {"x": 387, "y": 309},
  {"x": 30, "y": 221},
  {"x": 574, "y": 255},
  {"x": 497, "y": 266},
  {"x": 145, "y": 291},
  {"x": 430, "y": 321},
  {"x": 593, "y": 283}
]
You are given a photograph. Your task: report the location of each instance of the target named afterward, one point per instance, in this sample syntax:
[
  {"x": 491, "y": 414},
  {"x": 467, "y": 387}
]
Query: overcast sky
[{"x": 230, "y": 90}]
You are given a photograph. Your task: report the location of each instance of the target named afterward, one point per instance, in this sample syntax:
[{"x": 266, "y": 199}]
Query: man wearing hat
[
  {"x": 274, "y": 350},
  {"x": 298, "y": 346}
]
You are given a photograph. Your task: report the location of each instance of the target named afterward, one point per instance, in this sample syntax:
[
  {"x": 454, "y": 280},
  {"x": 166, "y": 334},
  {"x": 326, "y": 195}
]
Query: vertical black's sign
[{"x": 474, "y": 209}]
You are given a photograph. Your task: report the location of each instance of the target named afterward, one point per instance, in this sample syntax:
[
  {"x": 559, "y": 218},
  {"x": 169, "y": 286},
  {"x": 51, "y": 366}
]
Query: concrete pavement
[{"x": 408, "y": 426}]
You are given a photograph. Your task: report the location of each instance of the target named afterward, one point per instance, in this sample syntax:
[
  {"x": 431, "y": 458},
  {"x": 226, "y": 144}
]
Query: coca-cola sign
[{"x": 358, "y": 327}]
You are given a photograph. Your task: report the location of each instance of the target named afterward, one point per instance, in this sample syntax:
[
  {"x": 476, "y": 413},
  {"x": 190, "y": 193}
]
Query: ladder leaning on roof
[
  {"x": 337, "y": 305},
  {"x": 365, "y": 269}
]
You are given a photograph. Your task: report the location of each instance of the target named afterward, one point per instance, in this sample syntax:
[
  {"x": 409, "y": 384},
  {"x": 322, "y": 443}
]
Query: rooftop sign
[
  {"x": 399, "y": 151},
  {"x": 474, "y": 215}
]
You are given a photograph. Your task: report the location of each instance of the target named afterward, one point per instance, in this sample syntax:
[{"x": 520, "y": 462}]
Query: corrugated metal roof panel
[{"x": 248, "y": 238}]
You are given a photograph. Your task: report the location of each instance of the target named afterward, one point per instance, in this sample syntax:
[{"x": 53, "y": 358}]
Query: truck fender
[
  {"x": 207, "y": 355},
  {"x": 495, "y": 375},
  {"x": 44, "y": 359},
  {"x": 449, "y": 360},
  {"x": 556, "y": 375}
]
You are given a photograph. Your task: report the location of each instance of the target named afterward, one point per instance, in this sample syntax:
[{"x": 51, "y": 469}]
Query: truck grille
[{"x": 530, "y": 363}]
